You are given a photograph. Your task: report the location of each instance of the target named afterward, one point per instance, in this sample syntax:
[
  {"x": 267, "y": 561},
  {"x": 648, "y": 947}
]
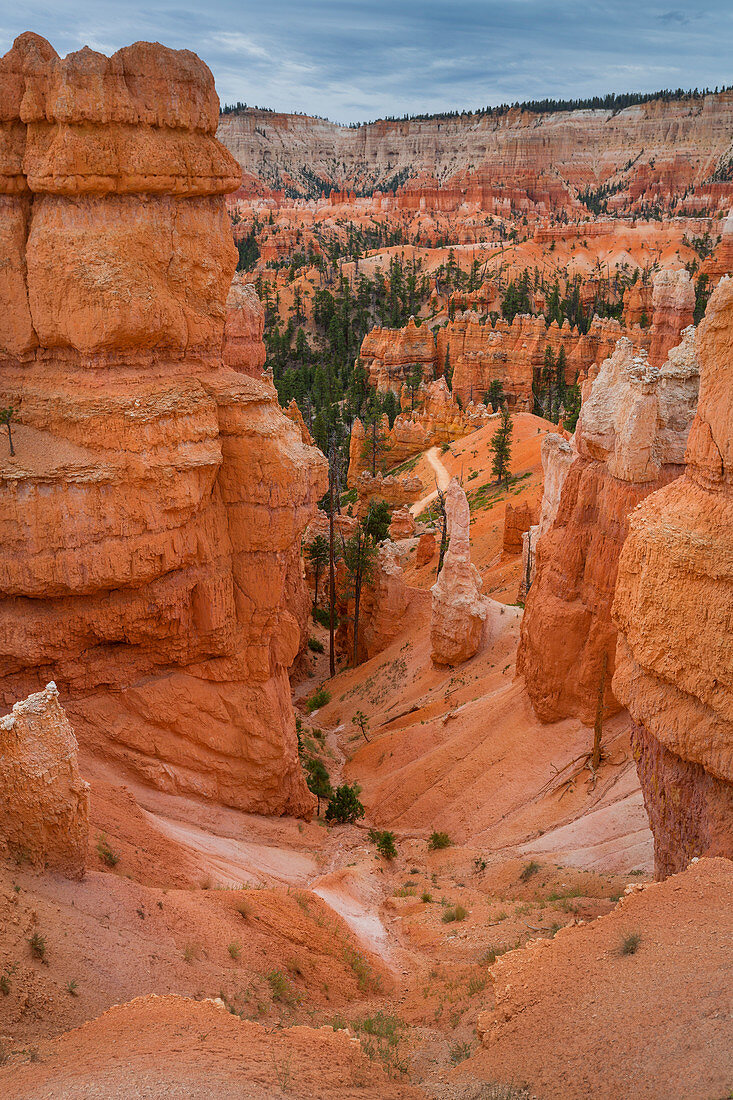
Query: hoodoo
[
  {"x": 458, "y": 609},
  {"x": 153, "y": 510}
]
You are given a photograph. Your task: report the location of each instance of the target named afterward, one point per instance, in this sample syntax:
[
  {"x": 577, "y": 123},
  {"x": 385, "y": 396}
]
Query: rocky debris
[
  {"x": 587, "y": 1012},
  {"x": 244, "y": 348},
  {"x": 44, "y": 802},
  {"x": 630, "y": 439},
  {"x": 384, "y": 606},
  {"x": 403, "y": 525},
  {"x": 152, "y": 515},
  {"x": 673, "y": 611},
  {"x": 517, "y": 520},
  {"x": 673, "y": 303},
  {"x": 458, "y": 609}
]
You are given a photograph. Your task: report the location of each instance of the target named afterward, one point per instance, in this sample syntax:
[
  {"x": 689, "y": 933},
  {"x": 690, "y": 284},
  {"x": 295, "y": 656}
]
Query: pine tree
[
  {"x": 317, "y": 552},
  {"x": 501, "y": 445}
]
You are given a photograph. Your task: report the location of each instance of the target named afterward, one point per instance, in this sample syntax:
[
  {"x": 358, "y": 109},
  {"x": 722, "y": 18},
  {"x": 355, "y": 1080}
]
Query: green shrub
[
  {"x": 235, "y": 950},
  {"x": 438, "y": 841},
  {"x": 453, "y": 913},
  {"x": 323, "y": 616},
  {"x": 318, "y": 699},
  {"x": 315, "y": 646},
  {"x": 426, "y": 897},
  {"x": 384, "y": 841},
  {"x": 344, "y": 806}
]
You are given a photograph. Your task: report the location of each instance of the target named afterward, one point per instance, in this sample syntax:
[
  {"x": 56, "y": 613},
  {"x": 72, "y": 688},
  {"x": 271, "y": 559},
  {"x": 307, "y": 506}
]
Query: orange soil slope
[
  {"x": 174, "y": 1047},
  {"x": 576, "y": 1017}
]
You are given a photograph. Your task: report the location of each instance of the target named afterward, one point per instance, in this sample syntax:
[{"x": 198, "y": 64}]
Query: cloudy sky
[{"x": 361, "y": 59}]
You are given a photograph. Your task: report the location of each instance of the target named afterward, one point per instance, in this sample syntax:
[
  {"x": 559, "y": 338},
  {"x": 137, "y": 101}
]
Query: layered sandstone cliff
[
  {"x": 44, "y": 802},
  {"x": 674, "y": 612},
  {"x": 458, "y": 610},
  {"x": 519, "y": 159},
  {"x": 630, "y": 441},
  {"x": 152, "y": 514},
  {"x": 557, "y": 457}
]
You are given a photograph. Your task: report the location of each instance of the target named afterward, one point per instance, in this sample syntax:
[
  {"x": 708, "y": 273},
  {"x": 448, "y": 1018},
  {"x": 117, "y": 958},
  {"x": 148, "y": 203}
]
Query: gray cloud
[{"x": 357, "y": 59}]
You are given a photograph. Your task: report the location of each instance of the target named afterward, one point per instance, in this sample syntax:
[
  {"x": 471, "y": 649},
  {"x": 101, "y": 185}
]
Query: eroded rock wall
[
  {"x": 674, "y": 613},
  {"x": 151, "y": 517},
  {"x": 458, "y": 611},
  {"x": 630, "y": 439}
]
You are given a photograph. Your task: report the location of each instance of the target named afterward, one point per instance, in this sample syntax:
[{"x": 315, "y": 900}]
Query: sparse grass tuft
[
  {"x": 105, "y": 853},
  {"x": 72, "y": 988},
  {"x": 454, "y": 913},
  {"x": 630, "y": 943},
  {"x": 38, "y": 946},
  {"x": 315, "y": 646},
  {"x": 529, "y": 870},
  {"x": 278, "y": 985},
  {"x": 426, "y": 897},
  {"x": 235, "y": 950}
]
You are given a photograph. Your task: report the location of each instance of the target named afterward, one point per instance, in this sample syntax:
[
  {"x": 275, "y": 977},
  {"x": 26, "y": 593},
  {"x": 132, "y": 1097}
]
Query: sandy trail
[{"x": 442, "y": 476}]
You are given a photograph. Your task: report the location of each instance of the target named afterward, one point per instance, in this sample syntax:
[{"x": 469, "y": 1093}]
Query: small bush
[
  {"x": 384, "y": 842},
  {"x": 438, "y": 841},
  {"x": 529, "y": 870},
  {"x": 444, "y": 448},
  {"x": 71, "y": 989},
  {"x": 344, "y": 807},
  {"x": 323, "y": 617},
  {"x": 453, "y": 913},
  {"x": 235, "y": 950},
  {"x": 630, "y": 943},
  {"x": 315, "y": 646},
  {"x": 4, "y": 985},
  {"x": 105, "y": 853},
  {"x": 426, "y": 898},
  {"x": 38, "y": 946},
  {"x": 317, "y": 700}
]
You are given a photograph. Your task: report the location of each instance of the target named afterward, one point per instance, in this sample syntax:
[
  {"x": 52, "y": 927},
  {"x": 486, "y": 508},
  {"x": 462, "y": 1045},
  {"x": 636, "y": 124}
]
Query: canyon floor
[{"x": 213, "y": 952}]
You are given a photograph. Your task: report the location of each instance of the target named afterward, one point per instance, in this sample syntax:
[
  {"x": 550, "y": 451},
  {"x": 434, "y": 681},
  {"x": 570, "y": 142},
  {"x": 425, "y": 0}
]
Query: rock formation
[
  {"x": 402, "y": 525},
  {"x": 396, "y": 491},
  {"x": 673, "y": 611},
  {"x": 557, "y": 457},
  {"x": 673, "y": 302},
  {"x": 479, "y": 353},
  {"x": 458, "y": 609},
  {"x": 152, "y": 514},
  {"x": 630, "y": 441},
  {"x": 517, "y": 521},
  {"x": 512, "y": 161},
  {"x": 244, "y": 327},
  {"x": 44, "y": 802},
  {"x": 721, "y": 261},
  {"x": 292, "y": 411},
  {"x": 426, "y": 548}
]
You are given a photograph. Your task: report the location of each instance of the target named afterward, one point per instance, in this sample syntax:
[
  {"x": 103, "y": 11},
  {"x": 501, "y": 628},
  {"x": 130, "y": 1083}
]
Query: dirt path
[{"x": 442, "y": 476}]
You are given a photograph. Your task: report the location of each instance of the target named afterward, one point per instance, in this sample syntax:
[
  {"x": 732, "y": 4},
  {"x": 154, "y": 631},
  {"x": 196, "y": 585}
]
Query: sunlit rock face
[
  {"x": 674, "y": 613},
  {"x": 151, "y": 517}
]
